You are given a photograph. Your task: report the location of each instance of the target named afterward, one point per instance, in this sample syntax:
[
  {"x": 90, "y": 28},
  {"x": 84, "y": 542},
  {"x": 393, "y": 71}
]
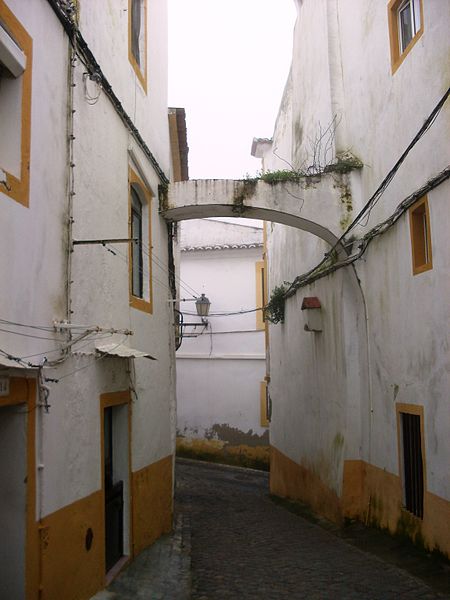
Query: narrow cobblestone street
[{"x": 232, "y": 542}]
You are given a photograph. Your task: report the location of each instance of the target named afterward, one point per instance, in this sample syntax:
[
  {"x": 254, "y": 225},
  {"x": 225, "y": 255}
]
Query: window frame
[
  {"x": 418, "y": 411},
  {"x": 141, "y": 72},
  {"x": 425, "y": 237},
  {"x": 137, "y": 215},
  {"x": 261, "y": 293},
  {"x": 397, "y": 54},
  {"x": 18, "y": 188},
  {"x": 135, "y": 183}
]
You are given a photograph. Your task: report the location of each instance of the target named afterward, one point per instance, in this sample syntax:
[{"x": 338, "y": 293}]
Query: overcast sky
[{"x": 228, "y": 63}]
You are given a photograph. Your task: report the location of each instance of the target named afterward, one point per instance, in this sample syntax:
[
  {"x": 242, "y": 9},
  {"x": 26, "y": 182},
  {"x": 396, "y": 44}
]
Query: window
[
  {"x": 137, "y": 42},
  {"x": 261, "y": 293},
  {"x": 140, "y": 249},
  {"x": 136, "y": 246},
  {"x": 410, "y": 419},
  {"x": 419, "y": 220},
  {"x": 15, "y": 102},
  {"x": 405, "y": 28}
]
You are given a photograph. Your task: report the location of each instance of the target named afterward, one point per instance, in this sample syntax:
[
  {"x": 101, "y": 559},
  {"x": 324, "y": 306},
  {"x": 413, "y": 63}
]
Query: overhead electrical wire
[
  {"x": 373, "y": 200},
  {"x": 149, "y": 252},
  {"x": 87, "y": 341},
  {"x": 318, "y": 271},
  {"x": 28, "y": 335},
  {"x": 226, "y": 313},
  {"x": 146, "y": 272},
  {"x": 88, "y": 59},
  {"x": 91, "y": 364},
  {"x": 15, "y": 323}
]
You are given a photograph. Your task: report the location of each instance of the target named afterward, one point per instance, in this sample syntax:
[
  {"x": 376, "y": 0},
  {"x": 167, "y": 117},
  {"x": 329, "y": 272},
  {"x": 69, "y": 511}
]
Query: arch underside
[{"x": 203, "y": 211}]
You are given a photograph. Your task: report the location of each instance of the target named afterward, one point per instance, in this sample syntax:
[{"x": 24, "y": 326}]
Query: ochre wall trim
[
  {"x": 151, "y": 502},
  {"x": 19, "y": 188},
  {"x": 291, "y": 480},
  {"x": 369, "y": 494}
]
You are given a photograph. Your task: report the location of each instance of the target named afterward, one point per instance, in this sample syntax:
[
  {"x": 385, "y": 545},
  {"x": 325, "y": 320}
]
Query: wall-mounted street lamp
[{"x": 202, "y": 305}]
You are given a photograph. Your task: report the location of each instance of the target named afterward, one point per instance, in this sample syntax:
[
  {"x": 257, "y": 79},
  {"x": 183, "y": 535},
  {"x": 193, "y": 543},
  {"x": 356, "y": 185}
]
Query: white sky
[{"x": 228, "y": 64}]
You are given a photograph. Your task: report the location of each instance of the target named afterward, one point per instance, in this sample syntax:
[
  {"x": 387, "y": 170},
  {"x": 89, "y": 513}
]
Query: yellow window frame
[
  {"x": 261, "y": 293},
  {"x": 140, "y": 303},
  {"x": 418, "y": 410},
  {"x": 397, "y": 56},
  {"x": 18, "y": 188},
  {"x": 141, "y": 74},
  {"x": 419, "y": 223}
]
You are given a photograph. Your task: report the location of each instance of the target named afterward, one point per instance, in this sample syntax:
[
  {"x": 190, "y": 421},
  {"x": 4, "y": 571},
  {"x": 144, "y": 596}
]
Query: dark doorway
[{"x": 113, "y": 497}]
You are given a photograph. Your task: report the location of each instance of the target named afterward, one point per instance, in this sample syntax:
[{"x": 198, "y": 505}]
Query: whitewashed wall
[
  {"x": 219, "y": 372},
  {"x": 385, "y": 339},
  {"x": 33, "y": 268}
]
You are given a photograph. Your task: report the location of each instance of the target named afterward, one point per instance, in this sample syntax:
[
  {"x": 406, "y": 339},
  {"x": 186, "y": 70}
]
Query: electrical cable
[
  {"x": 96, "y": 358},
  {"x": 313, "y": 274},
  {"x": 88, "y": 59},
  {"x": 373, "y": 200},
  {"x": 226, "y": 313},
  {"x": 41, "y": 327},
  {"x": 88, "y": 342},
  {"x": 317, "y": 273},
  {"x": 27, "y": 335},
  {"x": 185, "y": 286},
  {"x": 142, "y": 270},
  {"x": 145, "y": 272}
]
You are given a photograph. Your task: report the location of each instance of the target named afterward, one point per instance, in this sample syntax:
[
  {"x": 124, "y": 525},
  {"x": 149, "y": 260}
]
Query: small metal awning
[{"x": 122, "y": 351}]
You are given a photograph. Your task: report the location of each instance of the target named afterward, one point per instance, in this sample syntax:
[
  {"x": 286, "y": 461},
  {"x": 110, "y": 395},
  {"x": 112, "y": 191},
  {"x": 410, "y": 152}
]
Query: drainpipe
[{"x": 368, "y": 374}]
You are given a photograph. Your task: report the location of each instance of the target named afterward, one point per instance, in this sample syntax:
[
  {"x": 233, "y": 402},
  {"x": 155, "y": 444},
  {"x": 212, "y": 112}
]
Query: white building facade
[
  {"x": 359, "y": 369},
  {"x": 86, "y": 416},
  {"x": 221, "y": 369}
]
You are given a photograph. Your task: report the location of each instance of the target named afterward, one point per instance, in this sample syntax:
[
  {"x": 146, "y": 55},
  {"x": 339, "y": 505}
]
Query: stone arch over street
[{"x": 320, "y": 204}]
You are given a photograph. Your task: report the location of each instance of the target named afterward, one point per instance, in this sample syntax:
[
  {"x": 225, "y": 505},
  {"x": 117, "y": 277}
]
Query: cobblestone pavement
[
  {"x": 243, "y": 546},
  {"x": 231, "y": 541}
]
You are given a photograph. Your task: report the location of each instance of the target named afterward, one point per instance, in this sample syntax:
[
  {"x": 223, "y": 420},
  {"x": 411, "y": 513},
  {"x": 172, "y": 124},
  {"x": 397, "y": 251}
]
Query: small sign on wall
[{"x": 4, "y": 386}]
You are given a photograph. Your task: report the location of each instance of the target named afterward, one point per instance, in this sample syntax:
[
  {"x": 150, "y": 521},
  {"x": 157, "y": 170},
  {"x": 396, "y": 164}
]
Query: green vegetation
[
  {"x": 275, "y": 308},
  {"x": 163, "y": 193}
]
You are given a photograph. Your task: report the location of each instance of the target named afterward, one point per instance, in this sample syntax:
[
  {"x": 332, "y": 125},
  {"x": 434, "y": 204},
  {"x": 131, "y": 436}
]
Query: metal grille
[{"x": 412, "y": 464}]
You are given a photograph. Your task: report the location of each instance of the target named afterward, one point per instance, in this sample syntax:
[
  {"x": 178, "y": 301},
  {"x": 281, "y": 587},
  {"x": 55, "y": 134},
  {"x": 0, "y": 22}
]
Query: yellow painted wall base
[
  {"x": 256, "y": 457},
  {"x": 288, "y": 479},
  {"x": 68, "y": 569},
  {"x": 152, "y": 503},
  {"x": 369, "y": 494},
  {"x": 374, "y": 496}
]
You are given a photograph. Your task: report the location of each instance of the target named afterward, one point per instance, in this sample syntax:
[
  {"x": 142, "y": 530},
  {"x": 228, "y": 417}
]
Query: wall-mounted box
[{"x": 312, "y": 313}]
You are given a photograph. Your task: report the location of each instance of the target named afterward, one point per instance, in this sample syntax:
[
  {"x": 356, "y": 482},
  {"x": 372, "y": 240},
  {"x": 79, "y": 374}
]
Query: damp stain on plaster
[
  {"x": 396, "y": 390},
  {"x": 243, "y": 190},
  {"x": 338, "y": 442},
  {"x": 225, "y": 444},
  {"x": 347, "y": 205},
  {"x": 234, "y": 436}
]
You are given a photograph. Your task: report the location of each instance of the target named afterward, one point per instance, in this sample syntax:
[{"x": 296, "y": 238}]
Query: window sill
[
  {"x": 422, "y": 268},
  {"x": 397, "y": 59},
  {"x": 141, "y": 304}
]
